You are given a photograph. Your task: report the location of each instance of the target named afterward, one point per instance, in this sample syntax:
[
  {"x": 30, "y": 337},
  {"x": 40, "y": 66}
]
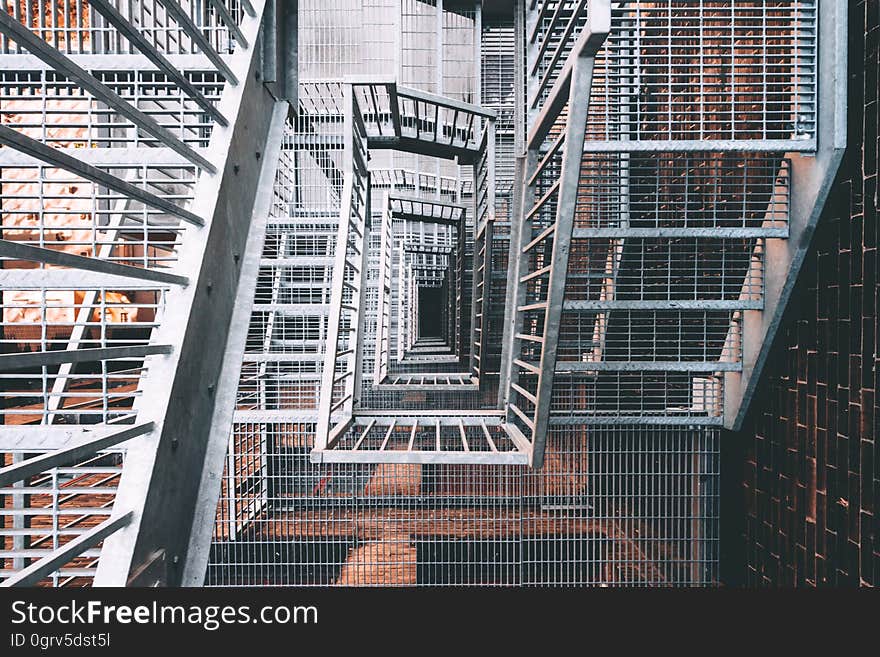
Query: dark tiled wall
[{"x": 801, "y": 479}]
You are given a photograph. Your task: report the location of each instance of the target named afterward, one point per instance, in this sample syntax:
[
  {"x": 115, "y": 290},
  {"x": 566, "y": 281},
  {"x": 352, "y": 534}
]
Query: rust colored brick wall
[{"x": 801, "y": 479}]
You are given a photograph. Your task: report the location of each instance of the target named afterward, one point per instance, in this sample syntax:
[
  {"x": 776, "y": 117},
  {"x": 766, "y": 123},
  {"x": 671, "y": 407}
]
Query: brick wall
[{"x": 801, "y": 479}]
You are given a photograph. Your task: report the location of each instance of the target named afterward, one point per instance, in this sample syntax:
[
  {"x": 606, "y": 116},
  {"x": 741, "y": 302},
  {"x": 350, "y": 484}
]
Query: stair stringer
[
  {"x": 811, "y": 180},
  {"x": 158, "y": 487},
  {"x": 227, "y": 391}
]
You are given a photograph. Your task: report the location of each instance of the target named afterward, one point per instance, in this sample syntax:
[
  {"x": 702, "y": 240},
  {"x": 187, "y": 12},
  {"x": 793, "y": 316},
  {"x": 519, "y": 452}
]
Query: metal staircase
[
  {"x": 154, "y": 148},
  {"x": 540, "y": 240},
  {"x": 670, "y": 148},
  {"x": 656, "y": 231},
  {"x": 637, "y": 246},
  {"x": 383, "y": 115},
  {"x": 197, "y": 273}
]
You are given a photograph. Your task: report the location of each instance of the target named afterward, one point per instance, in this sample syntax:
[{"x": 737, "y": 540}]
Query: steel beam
[
  {"x": 100, "y": 91},
  {"x": 130, "y": 32},
  {"x": 34, "y": 438},
  {"x": 193, "y": 32},
  {"x": 671, "y": 304},
  {"x": 522, "y": 193},
  {"x": 57, "y": 158},
  {"x": 681, "y": 420},
  {"x": 444, "y": 101},
  {"x": 811, "y": 180},
  {"x": 37, "y": 571},
  {"x": 121, "y": 157},
  {"x": 703, "y": 146},
  {"x": 497, "y": 458},
  {"x": 95, "y": 266},
  {"x": 325, "y": 403},
  {"x": 70, "y": 454},
  {"x": 382, "y": 352},
  {"x": 115, "y": 62},
  {"x": 224, "y": 408},
  {"x": 280, "y": 39},
  {"x": 411, "y": 144},
  {"x": 647, "y": 366},
  {"x": 28, "y": 359},
  {"x": 61, "y": 279},
  {"x": 572, "y": 87},
  {"x": 179, "y": 394},
  {"x": 677, "y": 233}
]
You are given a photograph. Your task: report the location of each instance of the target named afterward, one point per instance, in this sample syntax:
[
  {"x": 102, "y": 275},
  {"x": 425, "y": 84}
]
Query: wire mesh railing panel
[
  {"x": 647, "y": 336},
  {"x": 420, "y": 45},
  {"x": 638, "y": 395},
  {"x": 282, "y": 386},
  {"x": 56, "y": 210},
  {"x": 709, "y": 70},
  {"x": 684, "y": 194},
  {"x": 54, "y": 508},
  {"x": 498, "y": 64},
  {"x": 613, "y": 506},
  {"x": 76, "y": 28},
  {"x": 108, "y": 109},
  {"x": 55, "y": 110},
  {"x": 59, "y": 319},
  {"x": 651, "y": 270}
]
